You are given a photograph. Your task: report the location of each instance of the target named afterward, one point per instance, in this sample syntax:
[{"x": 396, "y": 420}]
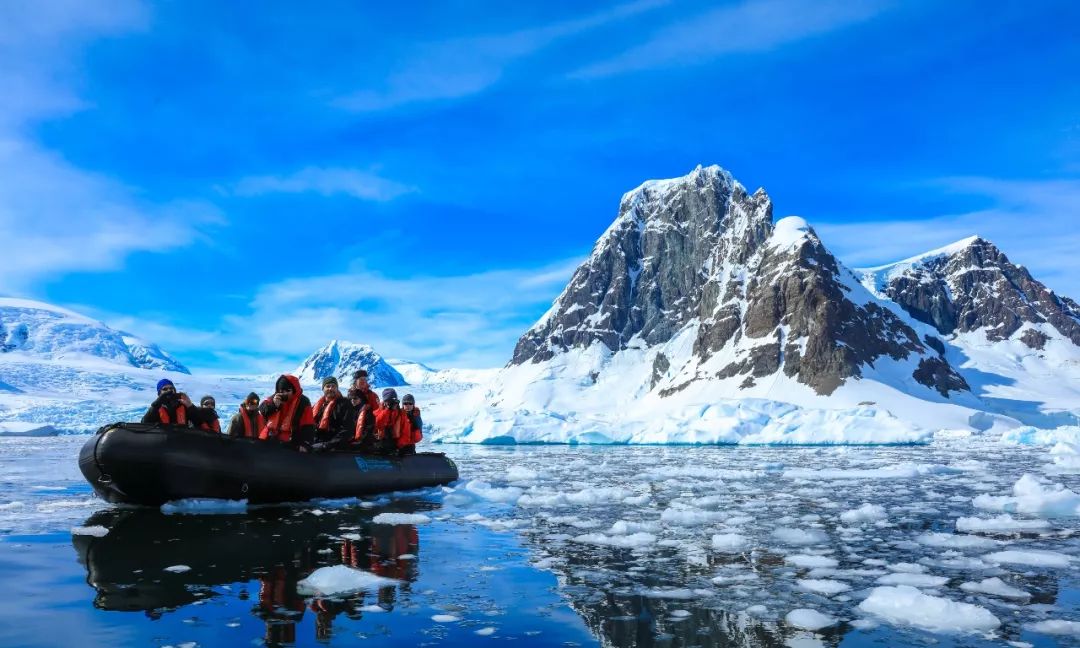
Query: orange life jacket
[
  {"x": 280, "y": 424},
  {"x": 322, "y": 410},
  {"x": 211, "y": 427},
  {"x": 250, "y": 433},
  {"x": 416, "y": 434},
  {"x": 393, "y": 423},
  {"x": 181, "y": 415}
]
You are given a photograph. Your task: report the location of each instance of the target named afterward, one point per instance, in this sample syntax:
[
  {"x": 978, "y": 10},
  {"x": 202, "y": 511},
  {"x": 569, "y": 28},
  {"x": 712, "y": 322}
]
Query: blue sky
[{"x": 242, "y": 182}]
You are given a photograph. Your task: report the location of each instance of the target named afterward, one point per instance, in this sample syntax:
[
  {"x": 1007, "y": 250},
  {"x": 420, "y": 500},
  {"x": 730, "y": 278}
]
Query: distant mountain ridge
[{"x": 36, "y": 330}]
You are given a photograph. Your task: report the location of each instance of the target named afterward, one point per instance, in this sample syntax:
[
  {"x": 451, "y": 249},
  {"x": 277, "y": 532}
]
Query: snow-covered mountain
[
  {"x": 1015, "y": 340},
  {"x": 698, "y": 315},
  {"x": 341, "y": 359},
  {"x": 33, "y": 330},
  {"x": 416, "y": 373}
]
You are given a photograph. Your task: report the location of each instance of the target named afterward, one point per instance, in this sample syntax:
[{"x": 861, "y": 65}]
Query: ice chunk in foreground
[
  {"x": 798, "y": 537},
  {"x": 178, "y": 569},
  {"x": 96, "y": 531},
  {"x": 865, "y": 513},
  {"x": 811, "y": 562},
  {"x": 207, "y": 506},
  {"x": 731, "y": 542},
  {"x": 1033, "y": 557},
  {"x": 954, "y": 541},
  {"x": 905, "y": 605},
  {"x": 807, "y": 619},
  {"x": 1030, "y": 496},
  {"x": 1004, "y": 523},
  {"x": 400, "y": 518},
  {"x": 915, "y": 580},
  {"x": 628, "y": 542},
  {"x": 339, "y": 579},
  {"x": 1055, "y": 627},
  {"x": 822, "y": 586},
  {"x": 995, "y": 587}
]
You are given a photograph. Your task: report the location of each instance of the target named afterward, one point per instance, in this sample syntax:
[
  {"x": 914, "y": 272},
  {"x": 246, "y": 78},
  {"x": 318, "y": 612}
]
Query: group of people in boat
[{"x": 357, "y": 422}]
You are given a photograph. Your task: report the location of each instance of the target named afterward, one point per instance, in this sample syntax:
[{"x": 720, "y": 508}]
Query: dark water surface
[{"x": 538, "y": 546}]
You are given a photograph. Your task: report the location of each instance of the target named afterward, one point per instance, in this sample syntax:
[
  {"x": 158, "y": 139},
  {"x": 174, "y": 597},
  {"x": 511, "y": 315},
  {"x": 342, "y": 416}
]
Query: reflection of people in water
[
  {"x": 381, "y": 554},
  {"x": 125, "y": 567},
  {"x": 279, "y": 604}
]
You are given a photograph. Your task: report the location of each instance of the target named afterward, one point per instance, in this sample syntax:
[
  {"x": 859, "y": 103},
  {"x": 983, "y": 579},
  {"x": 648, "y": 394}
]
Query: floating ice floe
[
  {"x": 905, "y": 605},
  {"x": 401, "y": 518},
  {"x": 445, "y": 618},
  {"x": 178, "y": 569},
  {"x": 196, "y": 506},
  {"x": 914, "y": 580},
  {"x": 807, "y": 619},
  {"x": 811, "y": 562},
  {"x": 632, "y": 541},
  {"x": 1028, "y": 435},
  {"x": 955, "y": 541},
  {"x": 730, "y": 542},
  {"x": 995, "y": 587},
  {"x": 822, "y": 586},
  {"x": 865, "y": 513},
  {"x": 96, "y": 531},
  {"x": 999, "y": 524},
  {"x": 339, "y": 579},
  {"x": 798, "y": 537},
  {"x": 1031, "y": 557},
  {"x": 1054, "y": 627},
  {"x": 1032, "y": 497}
]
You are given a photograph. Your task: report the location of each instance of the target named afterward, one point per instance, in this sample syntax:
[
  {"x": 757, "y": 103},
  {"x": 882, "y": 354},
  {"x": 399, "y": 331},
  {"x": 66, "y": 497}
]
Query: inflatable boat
[{"x": 132, "y": 463}]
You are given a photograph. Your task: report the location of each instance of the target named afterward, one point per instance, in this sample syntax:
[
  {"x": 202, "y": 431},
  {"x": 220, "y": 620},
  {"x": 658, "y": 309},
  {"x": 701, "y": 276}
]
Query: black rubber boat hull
[{"x": 130, "y": 463}]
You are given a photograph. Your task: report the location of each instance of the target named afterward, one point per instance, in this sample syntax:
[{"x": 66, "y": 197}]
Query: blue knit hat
[{"x": 162, "y": 383}]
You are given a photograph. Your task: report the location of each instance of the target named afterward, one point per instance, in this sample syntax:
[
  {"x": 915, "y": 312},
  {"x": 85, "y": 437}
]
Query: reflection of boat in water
[
  {"x": 145, "y": 464},
  {"x": 275, "y": 548}
]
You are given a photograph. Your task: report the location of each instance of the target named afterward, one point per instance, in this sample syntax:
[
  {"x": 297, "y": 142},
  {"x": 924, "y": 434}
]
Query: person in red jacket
[
  {"x": 407, "y": 445},
  {"x": 208, "y": 416},
  {"x": 331, "y": 412},
  {"x": 170, "y": 407},
  {"x": 288, "y": 415},
  {"x": 249, "y": 421},
  {"x": 364, "y": 430},
  {"x": 391, "y": 423}
]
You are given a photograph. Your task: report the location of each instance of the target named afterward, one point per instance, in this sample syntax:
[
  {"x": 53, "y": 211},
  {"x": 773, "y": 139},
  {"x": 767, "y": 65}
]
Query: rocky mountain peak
[
  {"x": 972, "y": 285},
  {"x": 341, "y": 359},
  {"x": 649, "y": 272},
  {"x": 699, "y": 256}
]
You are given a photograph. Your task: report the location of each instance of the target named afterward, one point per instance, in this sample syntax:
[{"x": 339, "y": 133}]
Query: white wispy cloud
[
  {"x": 470, "y": 320},
  {"x": 1033, "y": 221},
  {"x": 459, "y": 67},
  {"x": 357, "y": 183},
  {"x": 750, "y": 26},
  {"x": 54, "y": 216}
]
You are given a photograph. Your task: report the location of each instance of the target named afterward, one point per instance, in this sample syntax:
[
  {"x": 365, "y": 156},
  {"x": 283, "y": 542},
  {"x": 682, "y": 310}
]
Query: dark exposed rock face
[
  {"x": 1035, "y": 339},
  {"x": 699, "y": 254},
  {"x": 936, "y": 373},
  {"x": 649, "y": 274},
  {"x": 974, "y": 286}
]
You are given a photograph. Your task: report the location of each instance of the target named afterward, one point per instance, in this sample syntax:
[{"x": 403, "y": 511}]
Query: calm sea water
[{"x": 541, "y": 546}]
